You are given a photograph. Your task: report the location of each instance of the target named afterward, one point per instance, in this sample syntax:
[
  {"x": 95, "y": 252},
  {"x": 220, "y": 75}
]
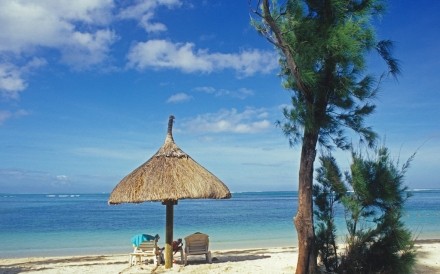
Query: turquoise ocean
[{"x": 79, "y": 224}]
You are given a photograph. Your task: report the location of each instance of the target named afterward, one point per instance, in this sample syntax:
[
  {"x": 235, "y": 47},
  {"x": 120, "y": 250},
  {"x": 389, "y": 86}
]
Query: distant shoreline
[{"x": 67, "y": 194}]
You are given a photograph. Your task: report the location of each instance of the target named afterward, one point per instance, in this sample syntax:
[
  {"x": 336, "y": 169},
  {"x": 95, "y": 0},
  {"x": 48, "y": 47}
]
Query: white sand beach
[{"x": 258, "y": 260}]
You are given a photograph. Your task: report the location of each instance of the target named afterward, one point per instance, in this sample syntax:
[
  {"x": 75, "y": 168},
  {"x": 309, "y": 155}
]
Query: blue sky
[{"x": 86, "y": 88}]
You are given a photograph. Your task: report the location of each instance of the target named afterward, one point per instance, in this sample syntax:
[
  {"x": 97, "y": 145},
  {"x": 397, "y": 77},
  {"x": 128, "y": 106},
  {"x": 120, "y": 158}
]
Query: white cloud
[
  {"x": 162, "y": 54},
  {"x": 79, "y": 30},
  {"x": 33, "y": 181},
  {"x": 251, "y": 120},
  {"x": 81, "y": 35},
  {"x": 62, "y": 177},
  {"x": 248, "y": 62},
  {"x": 11, "y": 81},
  {"x": 27, "y": 25},
  {"x": 179, "y": 98},
  {"x": 88, "y": 49},
  {"x": 61, "y": 180},
  {"x": 30, "y": 181},
  {"x": 144, "y": 11},
  {"x": 76, "y": 29},
  {"x": 12, "y": 77},
  {"x": 209, "y": 90},
  {"x": 241, "y": 93},
  {"x": 6, "y": 114}
]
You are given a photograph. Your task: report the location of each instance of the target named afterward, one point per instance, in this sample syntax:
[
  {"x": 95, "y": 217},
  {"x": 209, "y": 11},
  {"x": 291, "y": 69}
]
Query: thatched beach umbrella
[{"x": 169, "y": 175}]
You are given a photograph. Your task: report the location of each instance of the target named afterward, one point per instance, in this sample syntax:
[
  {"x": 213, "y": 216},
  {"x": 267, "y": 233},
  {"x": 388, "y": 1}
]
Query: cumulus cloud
[
  {"x": 88, "y": 49},
  {"x": 144, "y": 11},
  {"x": 179, "y": 98},
  {"x": 78, "y": 30},
  {"x": 12, "y": 77},
  {"x": 83, "y": 27},
  {"x": 251, "y": 120},
  {"x": 162, "y": 54},
  {"x": 82, "y": 34},
  {"x": 27, "y": 25},
  {"x": 11, "y": 82},
  {"x": 247, "y": 62}
]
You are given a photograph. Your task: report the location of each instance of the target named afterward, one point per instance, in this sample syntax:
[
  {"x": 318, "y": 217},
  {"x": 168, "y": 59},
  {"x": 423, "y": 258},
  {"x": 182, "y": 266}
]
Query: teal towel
[{"x": 138, "y": 239}]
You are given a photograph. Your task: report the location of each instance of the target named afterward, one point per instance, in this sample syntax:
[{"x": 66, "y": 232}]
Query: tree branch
[{"x": 284, "y": 47}]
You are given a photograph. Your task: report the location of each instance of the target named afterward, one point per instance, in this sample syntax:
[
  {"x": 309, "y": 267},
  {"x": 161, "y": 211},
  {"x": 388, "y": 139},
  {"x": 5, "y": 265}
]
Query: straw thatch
[{"x": 170, "y": 174}]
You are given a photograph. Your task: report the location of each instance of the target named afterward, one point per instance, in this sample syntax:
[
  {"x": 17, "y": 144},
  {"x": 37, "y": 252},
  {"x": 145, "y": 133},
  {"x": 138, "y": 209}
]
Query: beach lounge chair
[
  {"x": 197, "y": 244},
  {"x": 145, "y": 246}
]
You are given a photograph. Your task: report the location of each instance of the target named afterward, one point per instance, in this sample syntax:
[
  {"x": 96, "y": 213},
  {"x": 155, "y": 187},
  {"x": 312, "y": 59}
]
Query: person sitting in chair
[{"x": 177, "y": 245}]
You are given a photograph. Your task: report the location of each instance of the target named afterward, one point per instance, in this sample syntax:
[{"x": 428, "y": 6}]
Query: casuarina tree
[
  {"x": 377, "y": 240},
  {"x": 322, "y": 46},
  {"x": 327, "y": 193}
]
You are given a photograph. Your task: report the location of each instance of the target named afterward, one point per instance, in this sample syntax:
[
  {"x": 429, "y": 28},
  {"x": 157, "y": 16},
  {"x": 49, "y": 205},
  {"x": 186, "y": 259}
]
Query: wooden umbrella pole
[{"x": 169, "y": 232}]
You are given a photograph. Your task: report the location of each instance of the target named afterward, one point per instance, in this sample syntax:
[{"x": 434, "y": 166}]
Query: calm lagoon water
[{"x": 37, "y": 225}]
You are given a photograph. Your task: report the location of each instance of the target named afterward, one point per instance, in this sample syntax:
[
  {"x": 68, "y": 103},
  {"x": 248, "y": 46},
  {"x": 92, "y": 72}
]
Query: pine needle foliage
[
  {"x": 330, "y": 88},
  {"x": 326, "y": 195},
  {"x": 377, "y": 240}
]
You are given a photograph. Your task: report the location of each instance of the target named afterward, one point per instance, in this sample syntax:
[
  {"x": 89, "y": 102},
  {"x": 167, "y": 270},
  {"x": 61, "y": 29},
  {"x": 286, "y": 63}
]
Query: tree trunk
[{"x": 304, "y": 217}]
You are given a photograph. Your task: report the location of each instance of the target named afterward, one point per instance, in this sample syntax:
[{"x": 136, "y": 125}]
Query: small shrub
[{"x": 377, "y": 240}]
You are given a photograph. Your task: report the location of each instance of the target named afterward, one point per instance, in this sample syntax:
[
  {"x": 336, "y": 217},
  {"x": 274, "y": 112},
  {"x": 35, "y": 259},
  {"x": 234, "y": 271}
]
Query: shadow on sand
[{"x": 50, "y": 263}]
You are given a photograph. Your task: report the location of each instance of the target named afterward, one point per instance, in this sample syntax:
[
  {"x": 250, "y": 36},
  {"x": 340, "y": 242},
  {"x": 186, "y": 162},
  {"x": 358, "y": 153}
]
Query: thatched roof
[{"x": 170, "y": 174}]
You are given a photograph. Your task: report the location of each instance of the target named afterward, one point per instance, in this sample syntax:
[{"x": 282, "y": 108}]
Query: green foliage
[
  {"x": 328, "y": 41},
  {"x": 328, "y": 192},
  {"x": 377, "y": 240}
]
